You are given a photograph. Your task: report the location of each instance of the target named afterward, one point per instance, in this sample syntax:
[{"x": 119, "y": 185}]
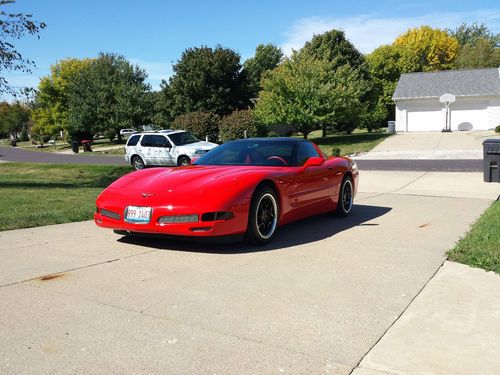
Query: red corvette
[{"x": 248, "y": 187}]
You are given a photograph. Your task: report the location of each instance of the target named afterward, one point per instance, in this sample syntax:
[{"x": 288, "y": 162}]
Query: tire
[
  {"x": 183, "y": 161},
  {"x": 263, "y": 216},
  {"x": 138, "y": 163},
  {"x": 346, "y": 197}
]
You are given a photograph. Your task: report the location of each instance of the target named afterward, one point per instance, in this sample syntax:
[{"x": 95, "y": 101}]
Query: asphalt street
[
  {"x": 446, "y": 165},
  {"x": 17, "y": 154}
]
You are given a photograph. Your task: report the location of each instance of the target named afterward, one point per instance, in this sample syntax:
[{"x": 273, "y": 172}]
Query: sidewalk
[{"x": 452, "y": 327}]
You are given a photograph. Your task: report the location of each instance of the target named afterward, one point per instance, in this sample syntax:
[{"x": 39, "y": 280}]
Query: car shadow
[{"x": 297, "y": 233}]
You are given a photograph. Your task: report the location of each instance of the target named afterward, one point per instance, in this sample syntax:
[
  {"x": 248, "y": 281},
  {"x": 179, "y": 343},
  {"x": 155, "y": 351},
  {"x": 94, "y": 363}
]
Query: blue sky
[{"x": 154, "y": 33}]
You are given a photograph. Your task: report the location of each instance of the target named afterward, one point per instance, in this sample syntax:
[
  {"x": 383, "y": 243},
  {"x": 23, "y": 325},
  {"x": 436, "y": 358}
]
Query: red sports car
[{"x": 246, "y": 187}]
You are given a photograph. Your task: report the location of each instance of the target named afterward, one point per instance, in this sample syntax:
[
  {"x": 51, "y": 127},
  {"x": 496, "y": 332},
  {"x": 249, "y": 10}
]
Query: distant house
[{"x": 477, "y": 105}]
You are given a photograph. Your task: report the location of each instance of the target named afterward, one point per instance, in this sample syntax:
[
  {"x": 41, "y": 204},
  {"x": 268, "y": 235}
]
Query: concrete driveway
[
  {"x": 431, "y": 145},
  {"x": 76, "y": 299}
]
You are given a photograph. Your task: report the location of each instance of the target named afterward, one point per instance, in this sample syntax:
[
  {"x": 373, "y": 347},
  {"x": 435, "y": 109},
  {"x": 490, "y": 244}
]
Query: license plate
[{"x": 137, "y": 214}]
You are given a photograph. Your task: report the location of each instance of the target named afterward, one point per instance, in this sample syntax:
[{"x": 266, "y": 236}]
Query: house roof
[{"x": 473, "y": 82}]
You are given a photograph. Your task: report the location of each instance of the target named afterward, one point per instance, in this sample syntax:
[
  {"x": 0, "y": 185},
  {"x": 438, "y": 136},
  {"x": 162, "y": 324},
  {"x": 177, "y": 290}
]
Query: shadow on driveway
[{"x": 297, "y": 233}]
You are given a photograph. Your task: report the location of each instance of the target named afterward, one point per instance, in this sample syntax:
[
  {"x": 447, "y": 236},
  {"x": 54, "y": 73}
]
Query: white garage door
[
  {"x": 469, "y": 116},
  {"x": 429, "y": 118}
]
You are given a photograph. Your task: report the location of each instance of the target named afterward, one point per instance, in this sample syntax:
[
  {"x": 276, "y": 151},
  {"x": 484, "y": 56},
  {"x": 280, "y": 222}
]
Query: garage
[{"x": 476, "y": 106}]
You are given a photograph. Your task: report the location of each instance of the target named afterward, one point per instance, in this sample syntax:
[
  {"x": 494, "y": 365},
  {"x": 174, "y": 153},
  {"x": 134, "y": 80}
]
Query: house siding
[{"x": 494, "y": 113}]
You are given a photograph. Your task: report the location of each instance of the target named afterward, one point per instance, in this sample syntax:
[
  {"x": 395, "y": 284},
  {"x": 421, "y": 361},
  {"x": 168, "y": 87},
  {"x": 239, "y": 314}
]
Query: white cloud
[
  {"x": 367, "y": 32},
  {"x": 157, "y": 71}
]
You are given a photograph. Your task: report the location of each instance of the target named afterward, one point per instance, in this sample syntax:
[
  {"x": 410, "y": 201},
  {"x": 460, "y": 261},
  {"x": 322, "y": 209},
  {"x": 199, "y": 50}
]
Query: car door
[
  {"x": 147, "y": 150},
  {"x": 163, "y": 148},
  {"x": 311, "y": 185}
]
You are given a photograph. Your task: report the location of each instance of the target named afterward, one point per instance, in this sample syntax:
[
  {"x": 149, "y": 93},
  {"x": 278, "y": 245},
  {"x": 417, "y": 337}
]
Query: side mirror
[{"x": 314, "y": 162}]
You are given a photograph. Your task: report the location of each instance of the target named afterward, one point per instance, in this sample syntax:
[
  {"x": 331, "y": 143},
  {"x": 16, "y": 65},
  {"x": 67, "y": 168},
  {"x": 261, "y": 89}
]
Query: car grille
[{"x": 178, "y": 219}]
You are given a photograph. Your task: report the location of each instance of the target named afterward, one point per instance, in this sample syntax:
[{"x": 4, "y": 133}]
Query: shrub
[
  {"x": 497, "y": 129},
  {"x": 201, "y": 124},
  {"x": 234, "y": 125},
  {"x": 110, "y": 134},
  {"x": 24, "y": 137}
]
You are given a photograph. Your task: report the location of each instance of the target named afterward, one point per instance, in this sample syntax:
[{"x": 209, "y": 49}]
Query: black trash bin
[
  {"x": 74, "y": 147},
  {"x": 491, "y": 160}
]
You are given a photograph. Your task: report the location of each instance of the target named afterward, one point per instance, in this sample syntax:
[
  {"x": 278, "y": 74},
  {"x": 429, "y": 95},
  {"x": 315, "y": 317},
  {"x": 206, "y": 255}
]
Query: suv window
[
  {"x": 306, "y": 151},
  {"x": 132, "y": 141},
  {"x": 154, "y": 140}
]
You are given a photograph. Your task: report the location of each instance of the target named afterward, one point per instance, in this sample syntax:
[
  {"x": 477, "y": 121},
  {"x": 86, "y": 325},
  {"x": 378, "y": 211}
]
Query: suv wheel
[
  {"x": 138, "y": 163},
  {"x": 183, "y": 161}
]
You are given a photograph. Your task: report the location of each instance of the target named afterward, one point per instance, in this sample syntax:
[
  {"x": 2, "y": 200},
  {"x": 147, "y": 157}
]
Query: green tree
[
  {"x": 307, "y": 93},
  {"x": 201, "y": 124},
  {"x": 334, "y": 47},
  {"x": 14, "y": 118},
  {"x": 481, "y": 54},
  {"x": 385, "y": 65},
  {"x": 479, "y": 47},
  {"x": 14, "y": 26},
  {"x": 471, "y": 34},
  {"x": 207, "y": 80},
  {"x": 267, "y": 57},
  {"x": 109, "y": 95},
  {"x": 434, "y": 49},
  {"x": 51, "y": 102}
]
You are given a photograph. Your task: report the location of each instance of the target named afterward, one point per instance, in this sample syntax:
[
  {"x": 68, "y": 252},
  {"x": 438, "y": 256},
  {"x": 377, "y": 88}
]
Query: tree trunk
[{"x": 323, "y": 127}]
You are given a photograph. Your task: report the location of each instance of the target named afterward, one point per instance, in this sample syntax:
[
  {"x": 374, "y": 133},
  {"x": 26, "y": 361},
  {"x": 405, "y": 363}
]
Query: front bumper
[{"x": 236, "y": 225}]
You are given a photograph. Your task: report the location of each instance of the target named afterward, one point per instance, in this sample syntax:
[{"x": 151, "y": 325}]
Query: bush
[
  {"x": 24, "y": 137},
  {"x": 201, "y": 124},
  {"x": 497, "y": 129},
  {"x": 110, "y": 134},
  {"x": 234, "y": 125}
]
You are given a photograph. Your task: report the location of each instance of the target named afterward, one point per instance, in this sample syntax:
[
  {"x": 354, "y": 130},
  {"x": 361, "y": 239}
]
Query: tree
[
  {"x": 482, "y": 54},
  {"x": 434, "y": 49},
  {"x": 14, "y": 26},
  {"x": 479, "y": 47},
  {"x": 52, "y": 98},
  {"x": 334, "y": 47},
  {"x": 267, "y": 57},
  {"x": 109, "y": 95},
  {"x": 201, "y": 124},
  {"x": 13, "y": 118},
  {"x": 471, "y": 34},
  {"x": 208, "y": 80},
  {"x": 385, "y": 65},
  {"x": 307, "y": 93}
]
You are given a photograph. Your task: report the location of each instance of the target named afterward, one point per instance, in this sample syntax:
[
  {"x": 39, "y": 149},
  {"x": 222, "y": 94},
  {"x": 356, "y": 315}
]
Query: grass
[
  {"x": 43, "y": 194},
  {"x": 358, "y": 141},
  {"x": 481, "y": 245}
]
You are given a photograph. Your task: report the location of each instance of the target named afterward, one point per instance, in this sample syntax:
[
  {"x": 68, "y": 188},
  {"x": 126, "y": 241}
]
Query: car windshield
[
  {"x": 253, "y": 152},
  {"x": 184, "y": 138}
]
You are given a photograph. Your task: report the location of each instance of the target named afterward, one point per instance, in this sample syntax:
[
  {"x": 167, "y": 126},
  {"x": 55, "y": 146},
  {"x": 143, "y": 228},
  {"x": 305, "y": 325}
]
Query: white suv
[{"x": 164, "y": 147}]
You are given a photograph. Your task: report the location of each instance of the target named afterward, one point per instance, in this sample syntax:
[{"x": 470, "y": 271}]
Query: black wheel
[
  {"x": 138, "y": 163},
  {"x": 346, "y": 195},
  {"x": 263, "y": 216},
  {"x": 183, "y": 161}
]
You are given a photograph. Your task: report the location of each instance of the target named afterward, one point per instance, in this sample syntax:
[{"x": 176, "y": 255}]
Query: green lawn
[
  {"x": 481, "y": 245},
  {"x": 41, "y": 194},
  {"x": 358, "y": 141}
]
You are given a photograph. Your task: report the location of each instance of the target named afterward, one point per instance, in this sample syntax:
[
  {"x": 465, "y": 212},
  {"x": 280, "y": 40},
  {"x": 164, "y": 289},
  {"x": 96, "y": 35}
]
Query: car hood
[
  {"x": 199, "y": 145},
  {"x": 180, "y": 184}
]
